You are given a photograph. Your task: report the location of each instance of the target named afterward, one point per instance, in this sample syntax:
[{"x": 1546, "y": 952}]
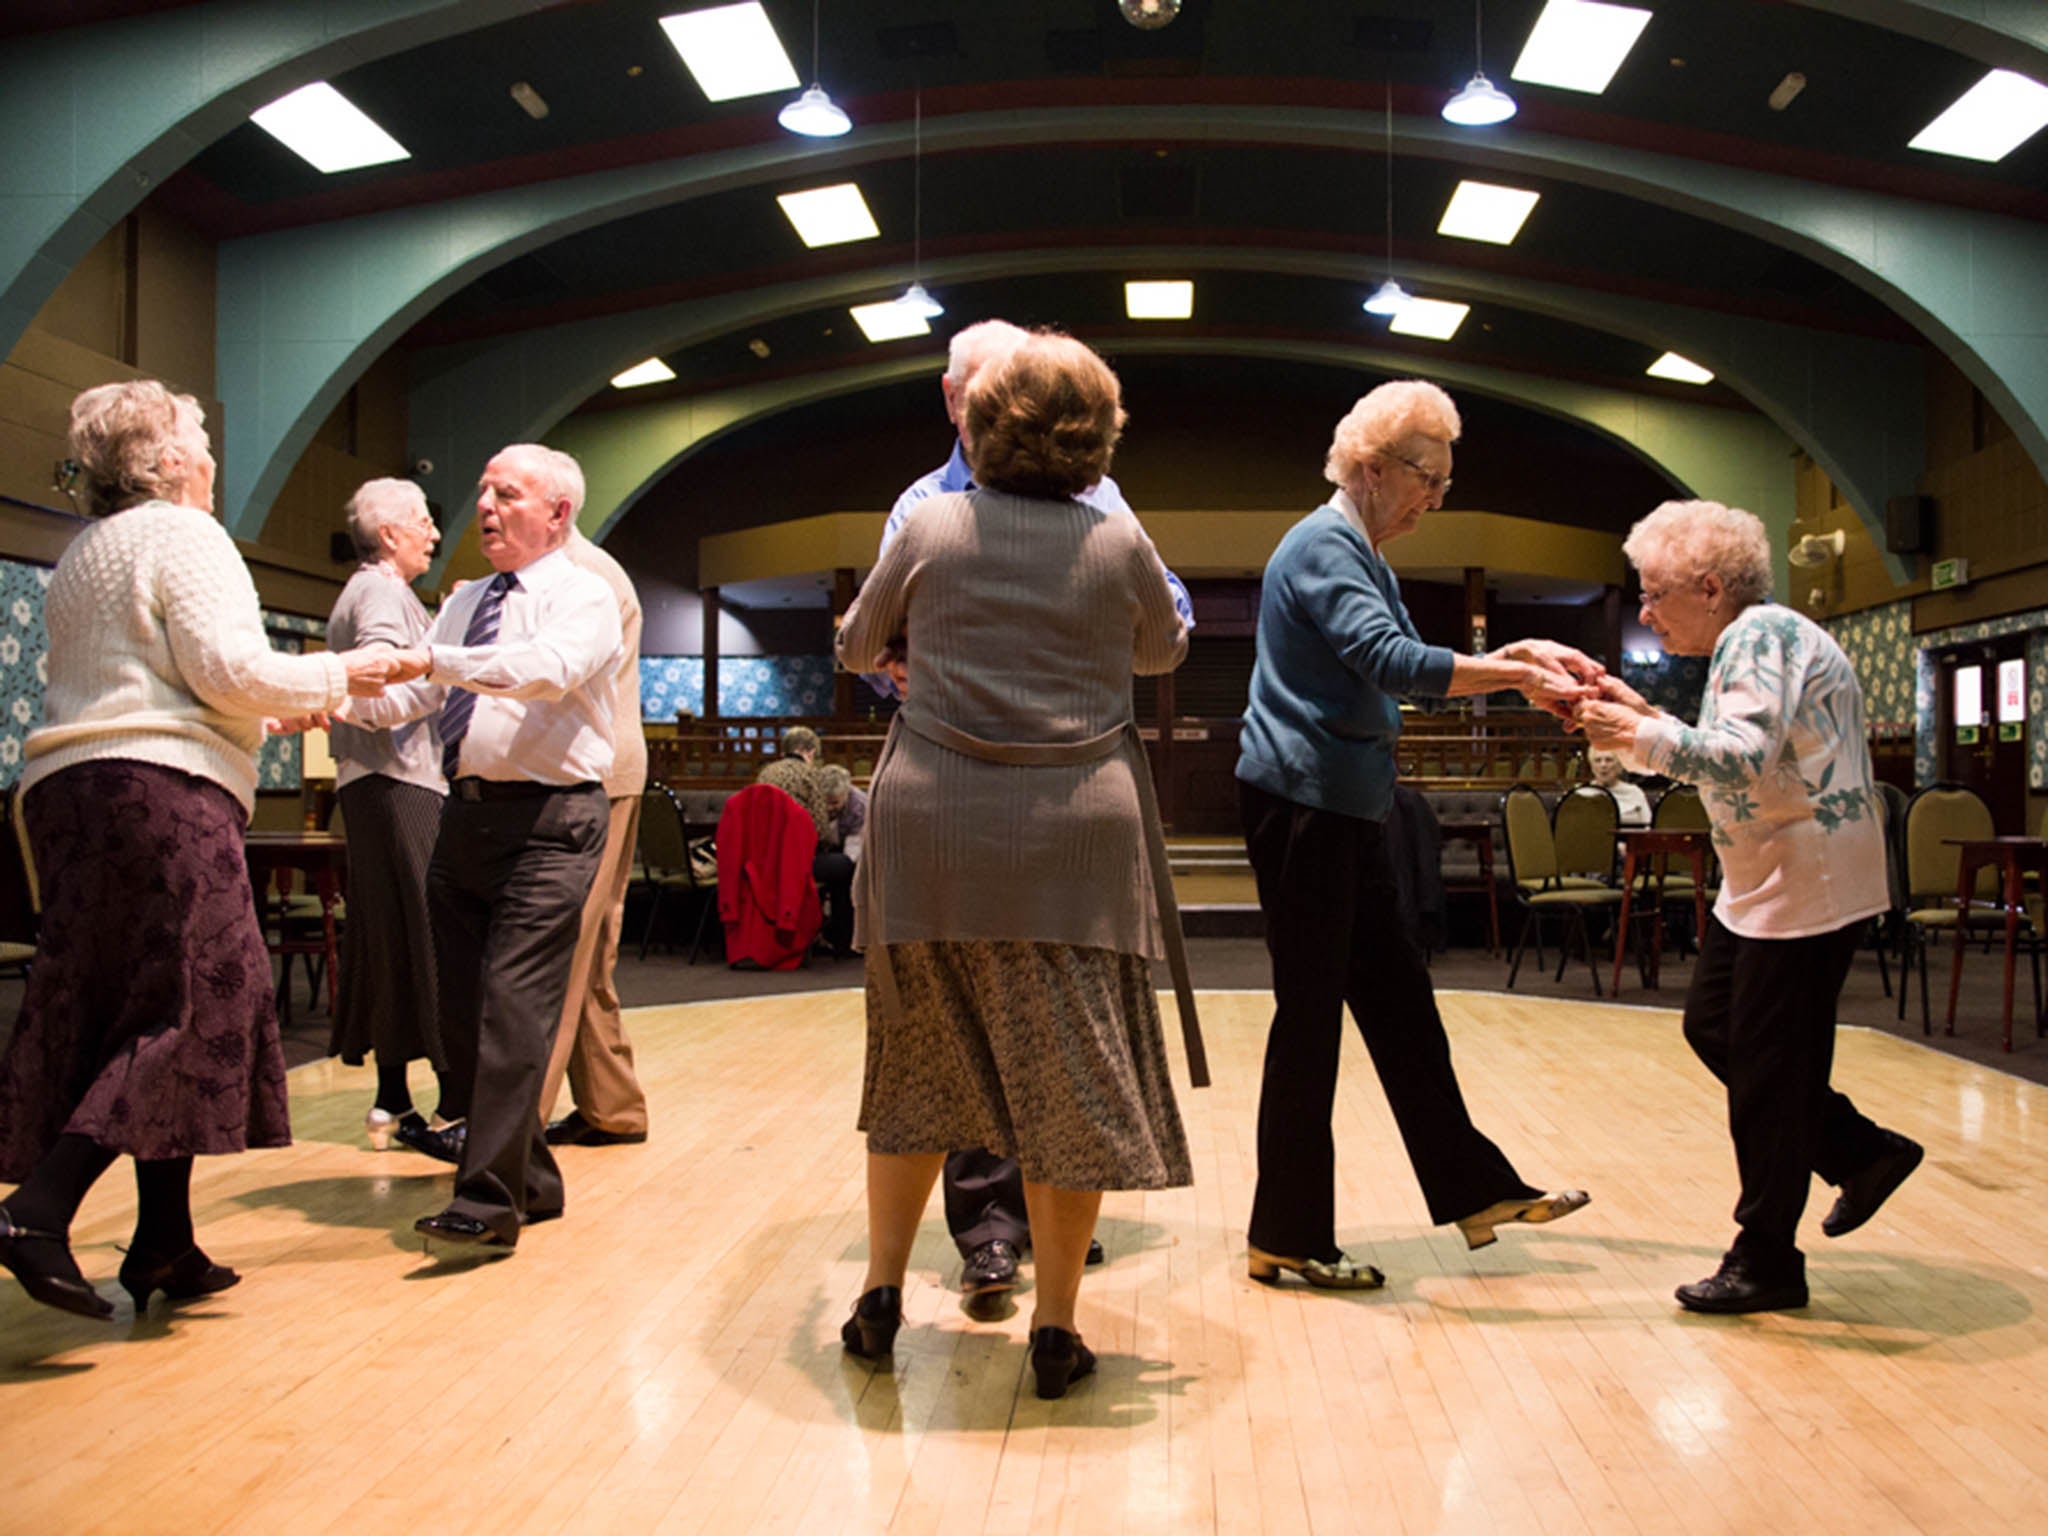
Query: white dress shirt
[{"x": 536, "y": 716}]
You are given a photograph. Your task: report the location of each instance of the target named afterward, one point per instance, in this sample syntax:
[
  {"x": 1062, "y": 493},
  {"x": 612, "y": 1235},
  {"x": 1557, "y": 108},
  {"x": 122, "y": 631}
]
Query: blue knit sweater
[{"x": 1336, "y": 646}]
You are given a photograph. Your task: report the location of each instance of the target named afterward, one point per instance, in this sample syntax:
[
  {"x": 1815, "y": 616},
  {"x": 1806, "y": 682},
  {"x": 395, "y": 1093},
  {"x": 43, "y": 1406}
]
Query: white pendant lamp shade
[
  {"x": 1480, "y": 104},
  {"x": 815, "y": 115},
  {"x": 1390, "y": 298},
  {"x": 920, "y": 303}
]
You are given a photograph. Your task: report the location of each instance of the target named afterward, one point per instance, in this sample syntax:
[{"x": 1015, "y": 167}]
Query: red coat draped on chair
[{"x": 767, "y": 898}]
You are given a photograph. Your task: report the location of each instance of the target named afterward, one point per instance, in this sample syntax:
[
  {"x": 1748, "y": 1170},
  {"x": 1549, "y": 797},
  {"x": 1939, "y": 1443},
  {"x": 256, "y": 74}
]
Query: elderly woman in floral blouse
[{"x": 1779, "y": 755}]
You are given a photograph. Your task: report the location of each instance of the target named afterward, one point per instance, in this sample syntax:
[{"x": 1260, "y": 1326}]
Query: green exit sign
[{"x": 1949, "y": 573}]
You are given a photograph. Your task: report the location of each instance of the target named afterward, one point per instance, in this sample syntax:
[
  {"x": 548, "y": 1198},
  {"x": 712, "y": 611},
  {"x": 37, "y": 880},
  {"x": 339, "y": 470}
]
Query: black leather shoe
[
  {"x": 41, "y": 1275},
  {"x": 1732, "y": 1288},
  {"x": 870, "y": 1334},
  {"x": 990, "y": 1269},
  {"x": 1095, "y": 1253},
  {"x": 572, "y": 1130},
  {"x": 1058, "y": 1360},
  {"x": 446, "y": 1144},
  {"x": 191, "y": 1274},
  {"x": 454, "y": 1227},
  {"x": 1862, "y": 1193}
]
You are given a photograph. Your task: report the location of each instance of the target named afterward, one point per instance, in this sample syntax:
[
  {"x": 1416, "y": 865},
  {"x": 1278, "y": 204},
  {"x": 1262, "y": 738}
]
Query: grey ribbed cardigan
[{"x": 1026, "y": 621}]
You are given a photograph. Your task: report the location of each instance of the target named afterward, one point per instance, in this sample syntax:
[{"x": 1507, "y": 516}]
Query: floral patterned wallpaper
[{"x": 748, "y": 686}]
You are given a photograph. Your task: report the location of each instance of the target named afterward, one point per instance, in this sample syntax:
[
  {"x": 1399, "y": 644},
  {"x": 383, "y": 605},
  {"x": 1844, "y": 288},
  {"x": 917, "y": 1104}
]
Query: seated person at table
[
  {"x": 798, "y": 774},
  {"x": 847, "y": 805},
  {"x": 1629, "y": 798}
]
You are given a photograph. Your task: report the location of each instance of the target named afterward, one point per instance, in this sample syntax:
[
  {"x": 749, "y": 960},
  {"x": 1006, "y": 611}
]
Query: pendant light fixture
[
  {"x": 1390, "y": 298},
  {"x": 914, "y": 298},
  {"x": 814, "y": 114},
  {"x": 1481, "y": 103}
]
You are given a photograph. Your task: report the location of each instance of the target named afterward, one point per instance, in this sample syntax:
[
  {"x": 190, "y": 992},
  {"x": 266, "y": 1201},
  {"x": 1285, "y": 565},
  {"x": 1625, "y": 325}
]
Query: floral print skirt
[
  {"x": 149, "y": 1023},
  {"x": 1052, "y": 1054}
]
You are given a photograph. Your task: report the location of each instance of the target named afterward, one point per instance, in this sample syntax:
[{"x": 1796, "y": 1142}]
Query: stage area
[{"x": 666, "y": 1358}]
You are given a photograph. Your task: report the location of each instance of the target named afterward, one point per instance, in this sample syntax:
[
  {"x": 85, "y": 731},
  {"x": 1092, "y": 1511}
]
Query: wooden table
[
  {"x": 323, "y": 858},
  {"x": 1480, "y": 835},
  {"x": 1660, "y": 844},
  {"x": 2014, "y": 856}
]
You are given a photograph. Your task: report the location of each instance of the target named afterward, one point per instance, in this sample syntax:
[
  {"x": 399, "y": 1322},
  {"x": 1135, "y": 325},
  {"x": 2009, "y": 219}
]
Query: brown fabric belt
[{"x": 1062, "y": 754}]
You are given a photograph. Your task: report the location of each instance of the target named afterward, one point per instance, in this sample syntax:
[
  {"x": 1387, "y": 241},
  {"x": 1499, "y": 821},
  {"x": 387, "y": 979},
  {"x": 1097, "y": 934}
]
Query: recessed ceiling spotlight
[
  {"x": 758, "y": 347},
  {"x": 1990, "y": 120},
  {"x": 1149, "y": 15},
  {"x": 531, "y": 102},
  {"x": 1577, "y": 45}
]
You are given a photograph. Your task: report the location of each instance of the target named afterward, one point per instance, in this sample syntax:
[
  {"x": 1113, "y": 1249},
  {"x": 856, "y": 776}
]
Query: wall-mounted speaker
[{"x": 1909, "y": 525}]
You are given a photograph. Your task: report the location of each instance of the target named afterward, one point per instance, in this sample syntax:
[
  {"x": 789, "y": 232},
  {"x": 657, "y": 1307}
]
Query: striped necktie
[{"x": 461, "y": 703}]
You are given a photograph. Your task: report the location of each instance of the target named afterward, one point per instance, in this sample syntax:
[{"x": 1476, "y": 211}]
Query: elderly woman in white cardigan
[
  {"x": 1010, "y": 1004},
  {"x": 1781, "y": 760},
  {"x": 148, "y": 1026}
]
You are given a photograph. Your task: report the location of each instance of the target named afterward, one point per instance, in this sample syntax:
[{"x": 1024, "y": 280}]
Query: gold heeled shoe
[
  {"x": 1478, "y": 1227},
  {"x": 1344, "y": 1274}
]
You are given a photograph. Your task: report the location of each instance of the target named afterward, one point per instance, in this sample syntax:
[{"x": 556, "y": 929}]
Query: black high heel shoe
[
  {"x": 870, "y": 1334},
  {"x": 67, "y": 1293},
  {"x": 1058, "y": 1360},
  {"x": 189, "y": 1275}
]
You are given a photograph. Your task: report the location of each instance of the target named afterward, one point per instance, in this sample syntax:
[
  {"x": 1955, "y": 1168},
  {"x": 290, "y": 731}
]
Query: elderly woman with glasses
[
  {"x": 1781, "y": 759},
  {"x": 148, "y": 1026},
  {"x": 1336, "y": 650},
  {"x": 390, "y": 787}
]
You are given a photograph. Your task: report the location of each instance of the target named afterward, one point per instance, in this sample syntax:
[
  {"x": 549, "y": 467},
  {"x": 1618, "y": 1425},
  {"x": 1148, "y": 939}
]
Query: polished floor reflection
[{"x": 666, "y": 1358}]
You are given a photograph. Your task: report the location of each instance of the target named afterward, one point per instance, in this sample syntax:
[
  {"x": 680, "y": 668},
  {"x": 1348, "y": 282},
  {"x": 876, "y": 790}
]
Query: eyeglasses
[
  {"x": 1438, "y": 484},
  {"x": 1653, "y": 599}
]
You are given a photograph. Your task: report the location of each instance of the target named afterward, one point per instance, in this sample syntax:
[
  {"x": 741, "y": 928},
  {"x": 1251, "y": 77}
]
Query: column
[
  {"x": 842, "y": 680},
  {"x": 711, "y": 653}
]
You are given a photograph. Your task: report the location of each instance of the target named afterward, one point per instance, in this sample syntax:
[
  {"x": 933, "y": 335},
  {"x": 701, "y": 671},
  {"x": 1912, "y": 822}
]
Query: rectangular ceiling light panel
[
  {"x": 1173, "y": 300},
  {"x": 653, "y": 371},
  {"x": 1577, "y": 45},
  {"x": 1990, "y": 120},
  {"x": 889, "y": 321},
  {"x": 327, "y": 130},
  {"x": 1435, "y": 319},
  {"x": 731, "y": 50},
  {"x": 1479, "y": 210},
  {"x": 829, "y": 215},
  {"x": 1683, "y": 369}
]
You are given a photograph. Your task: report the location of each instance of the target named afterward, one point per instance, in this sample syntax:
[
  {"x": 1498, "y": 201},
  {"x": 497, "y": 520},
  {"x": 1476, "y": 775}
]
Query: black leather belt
[{"x": 512, "y": 789}]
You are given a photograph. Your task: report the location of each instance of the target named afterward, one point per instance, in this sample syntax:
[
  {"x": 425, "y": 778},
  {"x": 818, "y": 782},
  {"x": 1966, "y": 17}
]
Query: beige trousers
[{"x": 591, "y": 1047}]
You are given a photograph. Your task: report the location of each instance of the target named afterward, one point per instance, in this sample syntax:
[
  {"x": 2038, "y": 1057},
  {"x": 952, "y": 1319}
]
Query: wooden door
[{"x": 1981, "y": 692}]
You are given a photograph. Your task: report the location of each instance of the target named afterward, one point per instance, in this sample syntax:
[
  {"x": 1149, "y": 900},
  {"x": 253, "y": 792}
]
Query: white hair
[
  {"x": 977, "y": 344},
  {"x": 118, "y": 436},
  {"x": 1699, "y": 538},
  {"x": 377, "y": 504},
  {"x": 560, "y": 476}
]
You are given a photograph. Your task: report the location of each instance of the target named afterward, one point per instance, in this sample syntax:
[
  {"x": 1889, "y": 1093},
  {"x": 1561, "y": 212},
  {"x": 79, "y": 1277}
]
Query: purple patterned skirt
[{"x": 149, "y": 1023}]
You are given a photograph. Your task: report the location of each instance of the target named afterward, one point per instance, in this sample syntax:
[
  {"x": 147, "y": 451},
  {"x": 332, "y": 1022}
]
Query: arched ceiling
[{"x": 1810, "y": 247}]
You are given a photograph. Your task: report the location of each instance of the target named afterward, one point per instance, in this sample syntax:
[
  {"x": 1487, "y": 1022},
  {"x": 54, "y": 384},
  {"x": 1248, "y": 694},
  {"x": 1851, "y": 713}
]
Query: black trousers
[
  {"x": 1761, "y": 1015},
  {"x": 833, "y": 871},
  {"x": 505, "y": 890},
  {"x": 985, "y": 1200},
  {"x": 1334, "y": 930}
]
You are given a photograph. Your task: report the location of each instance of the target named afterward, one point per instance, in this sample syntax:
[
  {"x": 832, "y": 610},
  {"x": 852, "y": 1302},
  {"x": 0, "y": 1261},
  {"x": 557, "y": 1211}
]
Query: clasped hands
[
  {"x": 371, "y": 669},
  {"x": 1579, "y": 691}
]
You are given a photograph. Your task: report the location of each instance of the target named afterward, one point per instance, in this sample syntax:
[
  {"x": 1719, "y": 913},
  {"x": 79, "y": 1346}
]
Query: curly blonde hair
[
  {"x": 1043, "y": 421},
  {"x": 118, "y": 436},
  {"x": 1385, "y": 418},
  {"x": 1690, "y": 539}
]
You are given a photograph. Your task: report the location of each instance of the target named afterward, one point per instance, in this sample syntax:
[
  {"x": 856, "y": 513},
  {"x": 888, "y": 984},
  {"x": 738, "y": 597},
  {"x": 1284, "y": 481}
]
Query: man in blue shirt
[{"x": 984, "y": 1192}]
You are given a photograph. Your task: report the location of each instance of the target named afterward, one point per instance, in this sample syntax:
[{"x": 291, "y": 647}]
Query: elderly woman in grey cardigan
[{"x": 1008, "y": 911}]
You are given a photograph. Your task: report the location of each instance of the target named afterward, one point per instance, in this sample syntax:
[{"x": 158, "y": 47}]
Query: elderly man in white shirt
[
  {"x": 518, "y": 668},
  {"x": 1781, "y": 759}
]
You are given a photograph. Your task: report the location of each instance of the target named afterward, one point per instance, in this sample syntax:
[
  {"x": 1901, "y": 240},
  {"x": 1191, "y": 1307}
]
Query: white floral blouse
[{"x": 1782, "y": 760}]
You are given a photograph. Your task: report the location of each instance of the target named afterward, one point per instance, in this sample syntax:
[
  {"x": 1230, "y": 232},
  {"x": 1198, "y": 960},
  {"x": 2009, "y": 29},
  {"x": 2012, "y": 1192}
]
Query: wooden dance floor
[{"x": 667, "y": 1358}]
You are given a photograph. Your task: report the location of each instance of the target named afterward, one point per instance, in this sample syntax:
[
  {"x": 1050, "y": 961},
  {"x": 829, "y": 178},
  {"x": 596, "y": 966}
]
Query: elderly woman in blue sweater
[{"x": 1315, "y": 782}]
